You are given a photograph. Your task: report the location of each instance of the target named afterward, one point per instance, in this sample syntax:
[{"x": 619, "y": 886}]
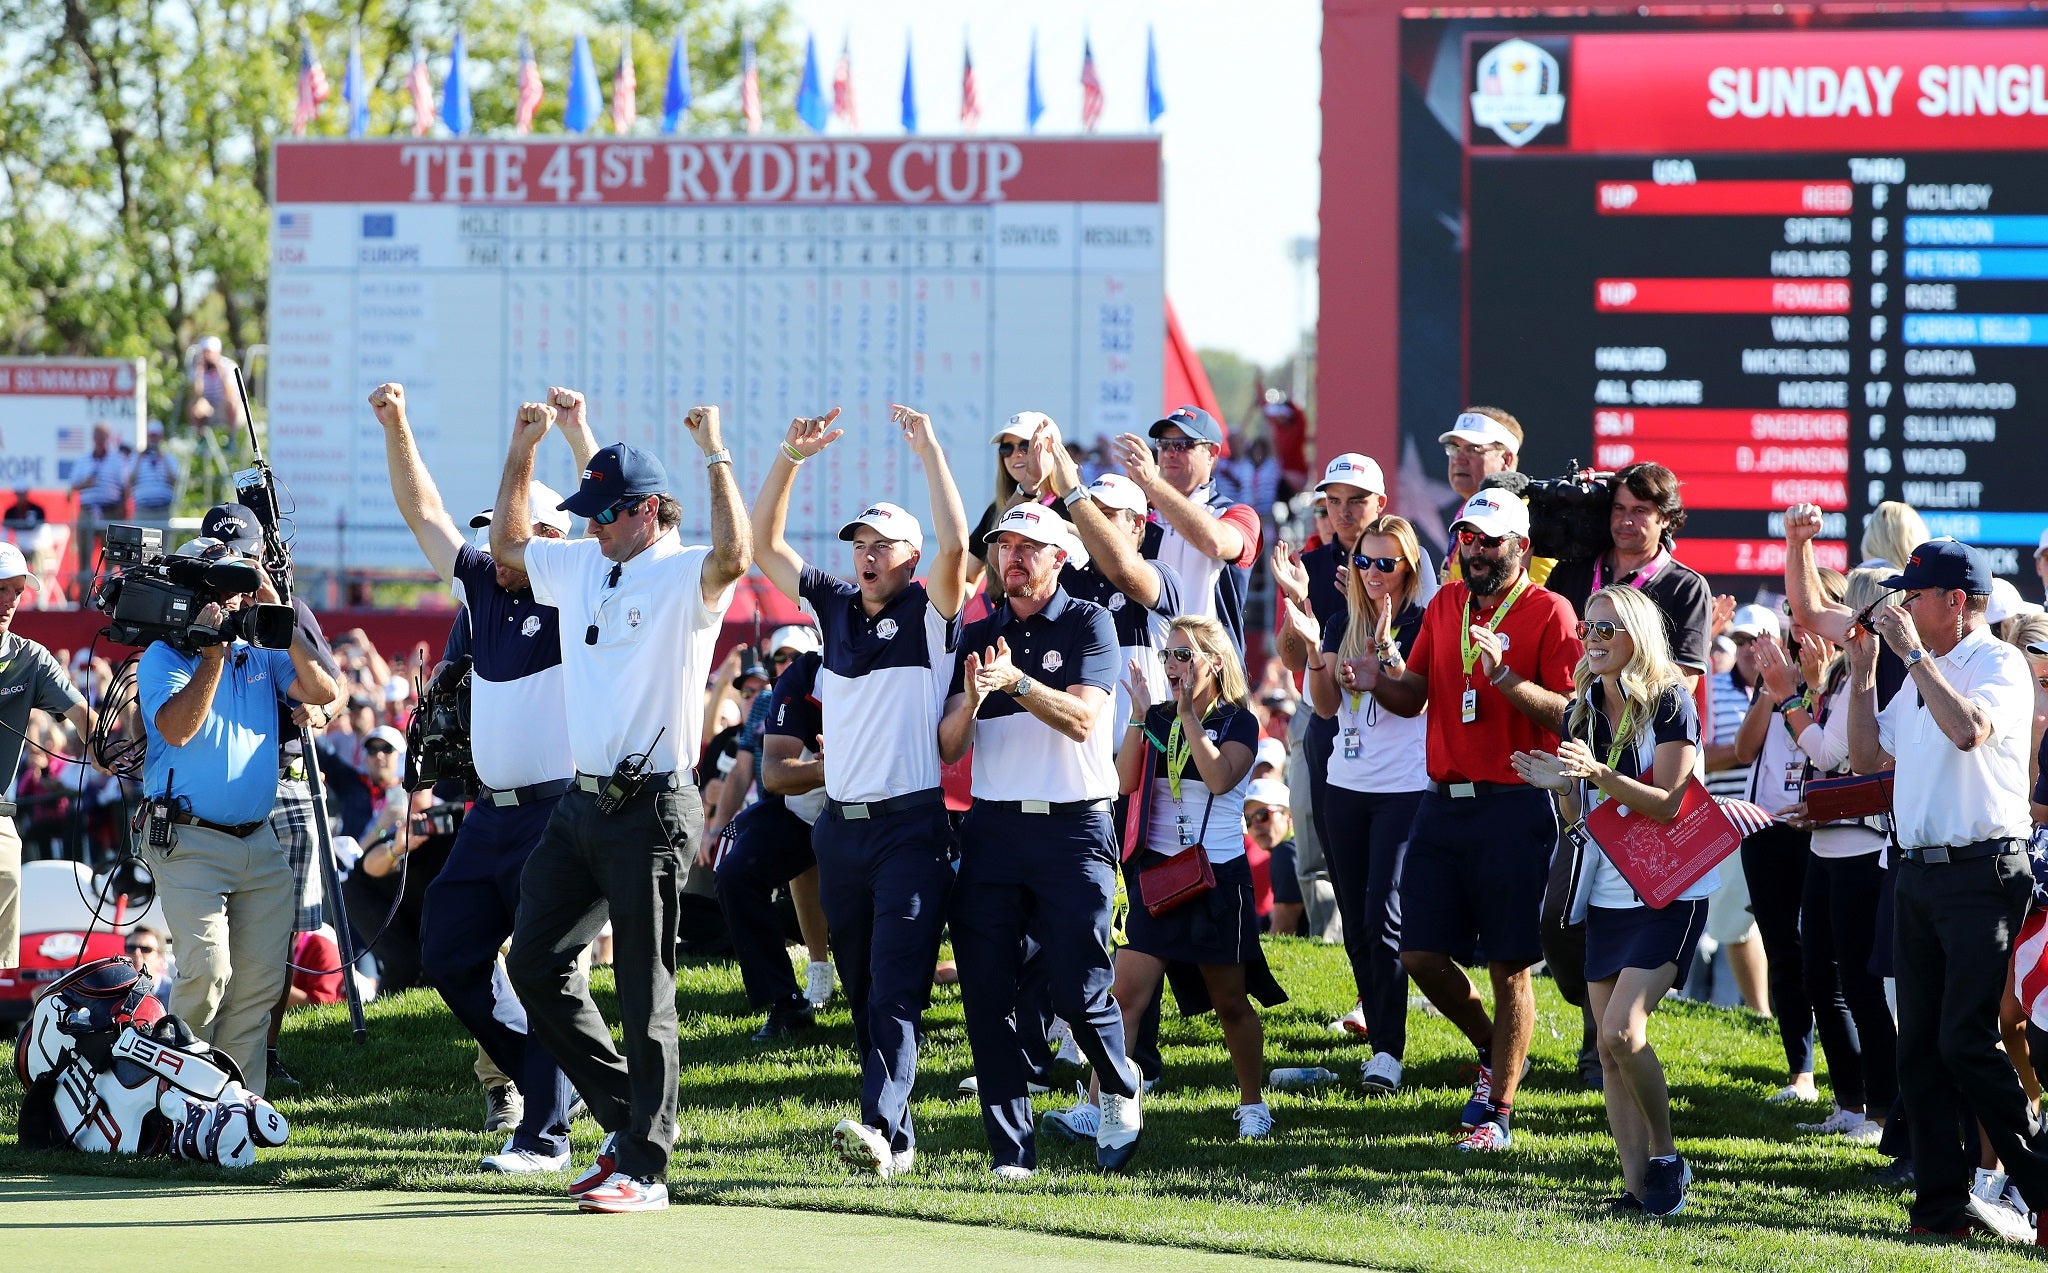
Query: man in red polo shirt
[{"x": 1492, "y": 664}]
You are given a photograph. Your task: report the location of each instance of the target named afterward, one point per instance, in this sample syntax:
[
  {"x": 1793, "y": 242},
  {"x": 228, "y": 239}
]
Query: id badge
[
  {"x": 1184, "y": 830},
  {"x": 1353, "y": 745},
  {"x": 1468, "y": 707},
  {"x": 1795, "y": 775}
]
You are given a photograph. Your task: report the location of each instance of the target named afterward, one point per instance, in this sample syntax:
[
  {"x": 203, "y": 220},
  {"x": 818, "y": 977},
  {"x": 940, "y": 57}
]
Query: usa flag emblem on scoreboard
[{"x": 294, "y": 225}]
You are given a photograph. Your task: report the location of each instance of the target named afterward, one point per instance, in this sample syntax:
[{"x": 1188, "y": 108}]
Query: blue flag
[
  {"x": 811, "y": 106},
  {"x": 455, "y": 93},
  {"x": 1155, "y": 101},
  {"x": 1034, "y": 101},
  {"x": 354, "y": 90},
  {"x": 675, "y": 99},
  {"x": 584, "y": 102},
  {"x": 909, "y": 90}
]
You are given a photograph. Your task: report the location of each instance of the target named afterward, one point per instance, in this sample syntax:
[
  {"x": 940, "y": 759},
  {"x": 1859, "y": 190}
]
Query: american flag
[
  {"x": 529, "y": 88},
  {"x": 294, "y": 225},
  {"x": 750, "y": 87},
  {"x": 312, "y": 88},
  {"x": 422, "y": 94},
  {"x": 842, "y": 87},
  {"x": 624, "y": 86},
  {"x": 1748, "y": 819},
  {"x": 1091, "y": 88},
  {"x": 970, "y": 97}
]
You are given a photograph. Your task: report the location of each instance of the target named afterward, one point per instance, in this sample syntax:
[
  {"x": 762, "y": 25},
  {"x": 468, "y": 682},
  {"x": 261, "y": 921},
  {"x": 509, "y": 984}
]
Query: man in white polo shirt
[
  {"x": 1208, "y": 540},
  {"x": 884, "y": 844},
  {"x": 1961, "y": 729},
  {"x": 639, "y": 616}
]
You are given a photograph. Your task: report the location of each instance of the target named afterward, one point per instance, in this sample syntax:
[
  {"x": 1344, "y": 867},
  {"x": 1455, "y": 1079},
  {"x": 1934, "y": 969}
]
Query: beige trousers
[{"x": 10, "y": 895}]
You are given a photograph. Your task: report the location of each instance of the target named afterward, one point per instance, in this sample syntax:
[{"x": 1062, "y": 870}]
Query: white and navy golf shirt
[
  {"x": 794, "y": 712},
  {"x": 519, "y": 719},
  {"x": 1211, "y": 588},
  {"x": 1017, "y": 756},
  {"x": 883, "y": 687},
  {"x": 1140, "y": 630}
]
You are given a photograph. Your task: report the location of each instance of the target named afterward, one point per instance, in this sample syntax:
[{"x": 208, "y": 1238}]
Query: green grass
[{"x": 1347, "y": 1179}]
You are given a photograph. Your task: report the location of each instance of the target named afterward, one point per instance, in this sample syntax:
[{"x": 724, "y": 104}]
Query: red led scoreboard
[{"x": 1792, "y": 262}]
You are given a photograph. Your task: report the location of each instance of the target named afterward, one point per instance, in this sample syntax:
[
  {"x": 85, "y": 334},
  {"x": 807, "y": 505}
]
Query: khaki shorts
[{"x": 10, "y": 895}]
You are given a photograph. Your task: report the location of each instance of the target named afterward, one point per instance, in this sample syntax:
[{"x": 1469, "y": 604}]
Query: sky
[{"x": 1242, "y": 129}]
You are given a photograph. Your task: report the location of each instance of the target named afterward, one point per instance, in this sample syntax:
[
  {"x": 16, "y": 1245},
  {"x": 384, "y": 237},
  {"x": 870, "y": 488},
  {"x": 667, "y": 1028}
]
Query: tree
[{"x": 135, "y": 139}]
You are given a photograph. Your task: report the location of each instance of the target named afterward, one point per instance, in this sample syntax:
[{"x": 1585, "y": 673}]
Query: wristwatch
[
  {"x": 1074, "y": 496},
  {"x": 1913, "y": 657},
  {"x": 1023, "y": 686},
  {"x": 721, "y": 456}
]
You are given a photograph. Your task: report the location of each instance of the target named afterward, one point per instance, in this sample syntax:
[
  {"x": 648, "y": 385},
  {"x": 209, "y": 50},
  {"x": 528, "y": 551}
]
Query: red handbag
[{"x": 1178, "y": 880}]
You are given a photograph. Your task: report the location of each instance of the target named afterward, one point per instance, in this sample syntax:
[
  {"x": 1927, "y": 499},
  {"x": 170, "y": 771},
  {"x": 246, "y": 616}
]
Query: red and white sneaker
[
  {"x": 620, "y": 1192},
  {"x": 600, "y": 1171},
  {"x": 1480, "y": 1104},
  {"x": 1485, "y": 1138}
]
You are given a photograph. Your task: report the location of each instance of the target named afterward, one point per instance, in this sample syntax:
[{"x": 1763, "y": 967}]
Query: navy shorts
[
  {"x": 1475, "y": 869},
  {"x": 1638, "y": 937}
]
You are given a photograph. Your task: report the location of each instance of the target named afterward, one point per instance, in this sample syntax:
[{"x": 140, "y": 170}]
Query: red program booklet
[{"x": 1661, "y": 860}]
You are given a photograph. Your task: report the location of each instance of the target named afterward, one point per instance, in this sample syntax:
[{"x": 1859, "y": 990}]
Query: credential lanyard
[
  {"x": 1470, "y": 652},
  {"x": 1643, "y": 576}
]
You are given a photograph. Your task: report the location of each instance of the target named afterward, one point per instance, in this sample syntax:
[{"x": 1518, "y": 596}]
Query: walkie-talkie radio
[{"x": 628, "y": 778}]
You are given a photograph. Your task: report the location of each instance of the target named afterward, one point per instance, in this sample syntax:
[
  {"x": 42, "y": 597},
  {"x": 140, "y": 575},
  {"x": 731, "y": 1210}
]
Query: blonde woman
[
  {"x": 1631, "y": 735},
  {"x": 1376, "y": 775},
  {"x": 1891, "y": 534},
  {"x": 1022, "y": 470}
]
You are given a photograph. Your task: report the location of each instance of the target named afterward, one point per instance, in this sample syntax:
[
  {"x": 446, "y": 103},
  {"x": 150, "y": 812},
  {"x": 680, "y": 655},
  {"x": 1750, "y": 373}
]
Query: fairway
[{"x": 1345, "y": 1179}]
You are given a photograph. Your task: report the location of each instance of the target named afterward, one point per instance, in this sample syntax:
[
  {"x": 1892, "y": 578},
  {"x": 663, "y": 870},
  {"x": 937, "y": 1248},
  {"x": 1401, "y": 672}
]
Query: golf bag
[{"x": 108, "y": 1071}]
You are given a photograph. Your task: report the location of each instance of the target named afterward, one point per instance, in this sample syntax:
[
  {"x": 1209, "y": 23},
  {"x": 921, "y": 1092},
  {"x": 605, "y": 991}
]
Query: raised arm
[
  {"x": 418, "y": 499},
  {"x": 956, "y": 727},
  {"x": 1210, "y": 534},
  {"x": 732, "y": 538},
  {"x": 512, "y": 523},
  {"x": 1866, "y": 746},
  {"x": 783, "y": 565},
  {"x": 572, "y": 417},
  {"x": 946, "y": 579},
  {"x": 1109, "y": 547},
  {"x": 1810, "y": 607},
  {"x": 1291, "y": 578}
]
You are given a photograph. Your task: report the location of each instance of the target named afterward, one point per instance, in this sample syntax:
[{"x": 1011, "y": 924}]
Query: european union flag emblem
[{"x": 379, "y": 225}]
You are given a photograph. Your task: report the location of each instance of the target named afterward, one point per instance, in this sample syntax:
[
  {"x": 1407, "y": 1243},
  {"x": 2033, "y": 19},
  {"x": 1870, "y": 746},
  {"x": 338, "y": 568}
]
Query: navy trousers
[
  {"x": 773, "y": 847},
  {"x": 1050, "y": 878},
  {"x": 469, "y": 911},
  {"x": 883, "y": 883},
  {"x": 1367, "y": 845}
]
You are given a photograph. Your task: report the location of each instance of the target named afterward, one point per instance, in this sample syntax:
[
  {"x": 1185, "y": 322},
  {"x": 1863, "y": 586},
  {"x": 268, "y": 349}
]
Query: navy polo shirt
[
  {"x": 794, "y": 712},
  {"x": 883, "y": 686},
  {"x": 1068, "y": 643},
  {"x": 519, "y": 715}
]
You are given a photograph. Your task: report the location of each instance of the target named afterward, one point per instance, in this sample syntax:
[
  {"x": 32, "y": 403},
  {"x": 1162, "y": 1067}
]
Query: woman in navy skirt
[{"x": 1631, "y": 735}]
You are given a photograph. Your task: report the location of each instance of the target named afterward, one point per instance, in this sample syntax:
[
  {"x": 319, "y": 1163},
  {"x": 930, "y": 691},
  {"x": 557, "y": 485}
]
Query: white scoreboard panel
[{"x": 775, "y": 278}]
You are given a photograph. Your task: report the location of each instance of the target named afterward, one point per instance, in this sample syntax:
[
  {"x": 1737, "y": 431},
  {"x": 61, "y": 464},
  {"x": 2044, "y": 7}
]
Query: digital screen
[{"x": 1792, "y": 265}]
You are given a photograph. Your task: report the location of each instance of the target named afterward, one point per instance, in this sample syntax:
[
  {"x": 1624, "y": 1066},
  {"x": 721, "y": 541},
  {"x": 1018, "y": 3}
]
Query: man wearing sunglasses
[
  {"x": 641, "y": 614},
  {"x": 1493, "y": 664},
  {"x": 1480, "y": 444},
  {"x": 519, "y": 743},
  {"x": 1207, "y": 540},
  {"x": 884, "y": 843}
]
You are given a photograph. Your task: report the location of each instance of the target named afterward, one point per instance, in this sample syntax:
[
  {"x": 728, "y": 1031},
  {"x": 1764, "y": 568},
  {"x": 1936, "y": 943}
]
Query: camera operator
[
  {"x": 210, "y": 720},
  {"x": 519, "y": 743},
  {"x": 30, "y": 676},
  {"x": 619, "y": 841}
]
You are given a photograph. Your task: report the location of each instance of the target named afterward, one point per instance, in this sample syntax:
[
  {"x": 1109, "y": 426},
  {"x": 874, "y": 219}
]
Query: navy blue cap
[
  {"x": 618, "y": 472},
  {"x": 1946, "y": 564},
  {"x": 235, "y": 526},
  {"x": 1193, "y": 421}
]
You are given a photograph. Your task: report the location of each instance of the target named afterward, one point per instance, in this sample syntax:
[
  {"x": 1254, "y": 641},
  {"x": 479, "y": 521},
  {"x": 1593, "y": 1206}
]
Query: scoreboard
[
  {"x": 773, "y": 277},
  {"x": 1793, "y": 265}
]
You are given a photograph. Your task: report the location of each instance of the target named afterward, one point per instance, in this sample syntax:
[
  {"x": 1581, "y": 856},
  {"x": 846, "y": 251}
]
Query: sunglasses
[
  {"x": 1598, "y": 627},
  {"x": 1261, "y": 818},
  {"x": 142, "y": 950},
  {"x": 1175, "y": 446},
  {"x": 1177, "y": 656},
  {"x": 1489, "y": 542},
  {"x": 1385, "y": 565},
  {"x": 781, "y": 656},
  {"x": 610, "y": 515},
  {"x": 1008, "y": 449},
  {"x": 380, "y": 749}
]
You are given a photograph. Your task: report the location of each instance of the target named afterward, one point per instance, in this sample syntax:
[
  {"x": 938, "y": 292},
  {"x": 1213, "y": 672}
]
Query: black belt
[
  {"x": 867, "y": 809},
  {"x": 670, "y": 781},
  {"x": 1468, "y": 790},
  {"x": 1944, "y": 854},
  {"x": 1044, "y": 806},
  {"x": 511, "y": 797},
  {"x": 239, "y": 830}
]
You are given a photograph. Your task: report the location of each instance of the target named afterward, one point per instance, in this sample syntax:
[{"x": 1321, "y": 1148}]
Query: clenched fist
[
  {"x": 568, "y": 402},
  {"x": 388, "y": 402},
  {"x": 702, "y": 422},
  {"x": 533, "y": 422}
]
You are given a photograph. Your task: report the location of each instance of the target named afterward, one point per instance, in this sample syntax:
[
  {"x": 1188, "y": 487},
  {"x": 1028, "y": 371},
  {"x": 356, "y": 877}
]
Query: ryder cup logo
[{"x": 1515, "y": 92}]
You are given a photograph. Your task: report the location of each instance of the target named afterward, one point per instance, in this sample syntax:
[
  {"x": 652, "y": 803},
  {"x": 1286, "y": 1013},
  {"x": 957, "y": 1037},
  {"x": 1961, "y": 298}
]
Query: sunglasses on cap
[
  {"x": 379, "y": 749},
  {"x": 1385, "y": 565},
  {"x": 1177, "y": 656},
  {"x": 610, "y": 515},
  {"x": 1471, "y": 537},
  {"x": 1598, "y": 627}
]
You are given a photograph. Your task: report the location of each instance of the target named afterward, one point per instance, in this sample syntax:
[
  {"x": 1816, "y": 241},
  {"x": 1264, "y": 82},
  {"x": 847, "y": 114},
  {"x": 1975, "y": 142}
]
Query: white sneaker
[
  {"x": 1841, "y": 1121},
  {"x": 971, "y": 1086},
  {"x": 2011, "y": 1198},
  {"x": 2000, "y": 1219},
  {"x": 902, "y": 1162},
  {"x": 1381, "y": 1074},
  {"x": 1787, "y": 1095},
  {"x": 863, "y": 1148},
  {"x": 819, "y": 979},
  {"x": 1068, "y": 1050},
  {"x": 1866, "y": 1132},
  {"x": 1010, "y": 1173},
  {"x": 1123, "y": 1124},
  {"x": 1989, "y": 1184},
  {"x": 521, "y": 1162},
  {"x": 1352, "y": 1022},
  {"x": 1079, "y": 1122},
  {"x": 1254, "y": 1122}
]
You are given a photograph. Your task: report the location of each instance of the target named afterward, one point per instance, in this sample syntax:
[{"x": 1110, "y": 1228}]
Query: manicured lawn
[{"x": 1365, "y": 1181}]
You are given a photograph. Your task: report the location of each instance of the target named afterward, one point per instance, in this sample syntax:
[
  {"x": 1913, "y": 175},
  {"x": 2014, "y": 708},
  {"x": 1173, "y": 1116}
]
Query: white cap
[
  {"x": 386, "y": 734},
  {"x": 1353, "y": 469},
  {"x": 1271, "y": 752},
  {"x": 1493, "y": 511},
  {"x": 1755, "y": 620},
  {"x": 1024, "y": 426},
  {"x": 1267, "y": 791},
  {"x": 211, "y": 344},
  {"x": 797, "y": 636},
  {"x": 1034, "y": 521},
  {"x": 2044, "y": 544},
  {"x": 888, "y": 521},
  {"x": 2006, "y": 602},
  {"x": 540, "y": 505},
  {"x": 1480, "y": 430},
  {"x": 15, "y": 566},
  {"x": 397, "y": 689},
  {"x": 1114, "y": 490}
]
